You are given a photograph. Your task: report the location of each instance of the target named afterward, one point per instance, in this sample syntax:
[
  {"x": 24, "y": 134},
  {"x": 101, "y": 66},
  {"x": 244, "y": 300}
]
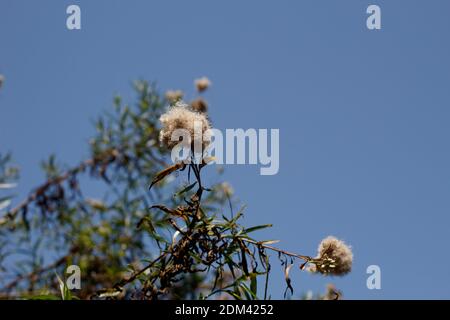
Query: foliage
[{"x": 175, "y": 241}]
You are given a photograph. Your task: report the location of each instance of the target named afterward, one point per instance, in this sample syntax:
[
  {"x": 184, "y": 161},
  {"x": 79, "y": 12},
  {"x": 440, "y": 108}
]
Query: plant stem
[{"x": 291, "y": 254}]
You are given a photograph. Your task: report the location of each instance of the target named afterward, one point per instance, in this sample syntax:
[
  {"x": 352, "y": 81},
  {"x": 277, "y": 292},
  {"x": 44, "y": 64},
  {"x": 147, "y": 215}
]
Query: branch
[
  {"x": 291, "y": 254},
  {"x": 105, "y": 158},
  {"x": 35, "y": 273}
]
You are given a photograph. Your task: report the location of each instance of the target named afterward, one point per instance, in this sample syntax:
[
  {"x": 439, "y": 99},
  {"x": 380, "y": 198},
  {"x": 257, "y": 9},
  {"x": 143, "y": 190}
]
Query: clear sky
[{"x": 363, "y": 115}]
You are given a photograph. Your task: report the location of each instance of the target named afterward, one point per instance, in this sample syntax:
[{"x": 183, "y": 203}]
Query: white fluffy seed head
[
  {"x": 174, "y": 95},
  {"x": 336, "y": 257},
  {"x": 202, "y": 84},
  {"x": 180, "y": 118}
]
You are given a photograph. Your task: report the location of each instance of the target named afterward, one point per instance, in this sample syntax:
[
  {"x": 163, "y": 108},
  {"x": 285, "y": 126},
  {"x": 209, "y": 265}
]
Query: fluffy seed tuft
[
  {"x": 174, "y": 95},
  {"x": 334, "y": 257},
  {"x": 199, "y": 105},
  {"x": 181, "y": 117},
  {"x": 202, "y": 84}
]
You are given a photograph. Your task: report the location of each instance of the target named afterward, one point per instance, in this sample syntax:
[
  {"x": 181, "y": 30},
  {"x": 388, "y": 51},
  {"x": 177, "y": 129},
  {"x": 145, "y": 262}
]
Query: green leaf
[
  {"x": 184, "y": 190},
  {"x": 233, "y": 294},
  {"x": 146, "y": 222},
  {"x": 248, "y": 292},
  {"x": 239, "y": 214},
  {"x": 253, "y": 283},
  {"x": 263, "y": 226},
  {"x": 243, "y": 258},
  {"x": 123, "y": 118},
  {"x": 65, "y": 292}
]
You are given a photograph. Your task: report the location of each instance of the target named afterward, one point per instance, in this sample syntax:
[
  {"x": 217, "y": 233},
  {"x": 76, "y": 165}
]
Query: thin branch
[
  {"x": 291, "y": 254},
  {"x": 35, "y": 273},
  {"x": 112, "y": 154}
]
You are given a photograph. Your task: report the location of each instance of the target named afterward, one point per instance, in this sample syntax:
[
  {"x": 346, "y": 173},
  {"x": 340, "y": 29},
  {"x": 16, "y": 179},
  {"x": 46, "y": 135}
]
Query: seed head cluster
[
  {"x": 199, "y": 105},
  {"x": 334, "y": 257},
  {"x": 174, "y": 95},
  {"x": 202, "y": 84},
  {"x": 181, "y": 117}
]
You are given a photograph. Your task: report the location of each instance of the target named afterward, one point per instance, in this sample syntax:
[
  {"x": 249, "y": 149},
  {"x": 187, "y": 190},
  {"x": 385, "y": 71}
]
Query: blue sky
[{"x": 363, "y": 115}]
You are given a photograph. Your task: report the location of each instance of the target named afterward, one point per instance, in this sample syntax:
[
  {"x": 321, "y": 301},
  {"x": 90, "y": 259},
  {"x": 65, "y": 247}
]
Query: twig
[
  {"x": 291, "y": 254},
  {"x": 57, "y": 180},
  {"x": 124, "y": 282},
  {"x": 34, "y": 273}
]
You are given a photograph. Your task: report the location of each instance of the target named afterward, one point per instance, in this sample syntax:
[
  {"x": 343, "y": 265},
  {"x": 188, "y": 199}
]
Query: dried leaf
[
  {"x": 288, "y": 280},
  {"x": 161, "y": 175}
]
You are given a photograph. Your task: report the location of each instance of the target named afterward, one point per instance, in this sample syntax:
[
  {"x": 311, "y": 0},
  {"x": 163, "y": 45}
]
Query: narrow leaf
[
  {"x": 4, "y": 204},
  {"x": 248, "y": 230},
  {"x": 288, "y": 280},
  {"x": 161, "y": 175},
  {"x": 254, "y": 283},
  {"x": 269, "y": 242},
  {"x": 8, "y": 185},
  {"x": 184, "y": 190}
]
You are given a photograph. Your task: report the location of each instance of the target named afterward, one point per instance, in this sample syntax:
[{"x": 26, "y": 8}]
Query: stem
[
  {"x": 134, "y": 276},
  {"x": 291, "y": 254},
  {"x": 266, "y": 286},
  {"x": 34, "y": 273}
]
